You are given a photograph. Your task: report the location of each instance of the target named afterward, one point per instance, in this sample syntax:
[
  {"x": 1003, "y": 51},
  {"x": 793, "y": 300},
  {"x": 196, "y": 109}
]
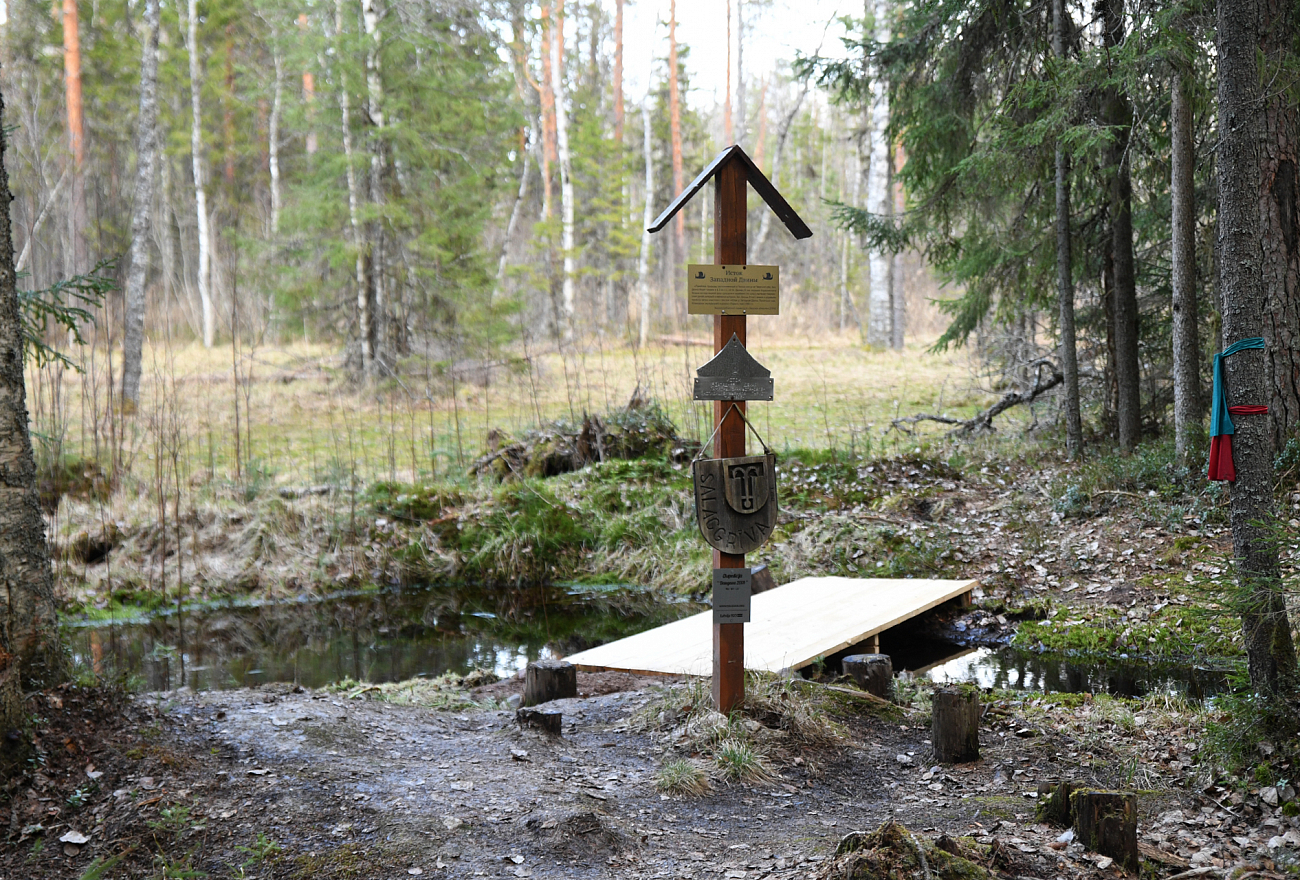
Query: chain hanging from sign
[{"x": 735, "y": 498}]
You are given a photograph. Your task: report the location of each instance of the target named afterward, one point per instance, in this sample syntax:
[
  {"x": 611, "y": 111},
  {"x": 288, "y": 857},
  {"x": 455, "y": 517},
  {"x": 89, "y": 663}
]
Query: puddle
[{"x": 373, "y": 637}]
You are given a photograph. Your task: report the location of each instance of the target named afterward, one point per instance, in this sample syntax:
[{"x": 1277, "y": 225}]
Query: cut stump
[
  {"x": 1106, "y": 822},
  {"x": 955, "y": 724},
  {"x": 547, "y": 680},
  {"x": 548, "y": 720},
  {"x": 874, "y": 673},
  {"x": 1054, "y": 803}
]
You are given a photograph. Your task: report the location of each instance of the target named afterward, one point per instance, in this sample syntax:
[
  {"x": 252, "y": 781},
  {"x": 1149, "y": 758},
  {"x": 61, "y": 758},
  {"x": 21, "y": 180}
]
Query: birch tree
[
  {"x": 147, "y": 153},
  {"x": 566, "y": 171},
  {"x": 880, "y": 310},
  {"x": 1061, "y": 26},
  {"x": 204, "y": 271}
]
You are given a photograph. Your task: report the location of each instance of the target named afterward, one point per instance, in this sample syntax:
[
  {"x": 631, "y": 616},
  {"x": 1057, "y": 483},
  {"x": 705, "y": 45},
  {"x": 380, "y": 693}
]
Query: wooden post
[
  {"x": 547, "y": 680},
  {"x": 729, "y": 248},
  {"x": 1106, "y": 822},
  {"x": 874, "y": 673},
  {"x": 954, "y": 727}
]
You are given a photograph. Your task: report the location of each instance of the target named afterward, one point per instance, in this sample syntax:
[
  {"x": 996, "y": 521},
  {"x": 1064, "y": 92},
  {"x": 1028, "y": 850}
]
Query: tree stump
[
  {"x": 874, "y": 673},
  {"x": 547, "y": 680},
  {"x": 548, "y": 720},
  {"x": 760, "y": 579},
  {"x": 955, "y": 724},
  {"x": 1106, "y": 822},
  {"x": 1054, "y": 803}
]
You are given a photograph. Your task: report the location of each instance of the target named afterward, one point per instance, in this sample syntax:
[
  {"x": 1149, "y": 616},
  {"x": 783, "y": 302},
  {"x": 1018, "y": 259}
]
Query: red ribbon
[{"x": 1221, "y": 465}]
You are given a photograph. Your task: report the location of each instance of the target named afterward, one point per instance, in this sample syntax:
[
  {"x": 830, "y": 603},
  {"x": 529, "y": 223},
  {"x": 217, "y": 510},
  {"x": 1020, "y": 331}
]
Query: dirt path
[{"x": 273, "y": 783}]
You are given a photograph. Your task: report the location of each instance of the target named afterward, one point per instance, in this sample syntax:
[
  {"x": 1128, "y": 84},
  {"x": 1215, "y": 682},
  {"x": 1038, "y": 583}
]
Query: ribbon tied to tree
[{"x": 1221, "y": 426}]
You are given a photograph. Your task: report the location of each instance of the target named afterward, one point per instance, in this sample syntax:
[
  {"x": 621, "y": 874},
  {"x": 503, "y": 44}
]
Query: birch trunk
[
  {"x": 1064, "y": 266},
  {"x": 375, "y": 264},
  {"x": 354, "y": 198},
  {"x": 515, "y": 213},
  {"x": 204, "y": 274},
  {"x": 1266, "y": 629},
  {"x": 146, "y": 161},
  {"x": 546, "y": 96},
  {"x": 675, "y": 125},
  {"x": 618, "y": 71},
  {"x": 273, "y": 143},
  {"x": 647, "y": 217},
  {"x": 742, "y": 125},
  {"x": 30, "y": 655},
  {"x": 880, "y": 312},
  {"x": 566, "y": 171},
  {"x": 1188, "y": 431}
]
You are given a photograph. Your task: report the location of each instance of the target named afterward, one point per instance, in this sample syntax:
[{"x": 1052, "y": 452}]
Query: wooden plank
[{"x": 791, "y": 627}]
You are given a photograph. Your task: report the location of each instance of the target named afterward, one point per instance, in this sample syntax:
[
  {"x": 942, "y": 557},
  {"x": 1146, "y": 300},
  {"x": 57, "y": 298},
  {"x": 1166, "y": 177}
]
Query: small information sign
[
  {"x": 731, "y": 593},
  {"x": 733, "y": 290}
]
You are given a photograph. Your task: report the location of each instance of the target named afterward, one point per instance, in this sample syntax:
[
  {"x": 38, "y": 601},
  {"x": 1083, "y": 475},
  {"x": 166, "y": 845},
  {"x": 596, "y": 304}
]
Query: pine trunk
[
  {"x": 200, "y": 192},
  {"x": 880, "y": 311},
  {"x": 30, "y": 655},
  {"x": 1064, "y": 266},
  {"x": 647, "y": 217},
  {"x": 1188, "y": 430},
  {"x": 675, "y": 124},
  {"x": 76, "y": 137},
  {"x": 1119, "y": 116},
  {"x": 566, "y": 174},
  {"x": 142, "y": 214},
  {"x": 1270, "y": 654},
  {"x": 1280, "y": 209}
]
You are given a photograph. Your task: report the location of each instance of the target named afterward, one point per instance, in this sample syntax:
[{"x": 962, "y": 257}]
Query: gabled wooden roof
[{"x": 756, "y": 179}]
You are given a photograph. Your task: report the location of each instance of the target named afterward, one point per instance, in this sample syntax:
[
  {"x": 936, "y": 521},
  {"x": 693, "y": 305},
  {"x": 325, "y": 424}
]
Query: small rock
[
  {"x": 516, "y": 858},
  {"x": 1202, "y": 858},
  {"x": 514, "y": 700},
  {"x": 519, "y": 754},
  {"x": 1268, "y": 796},
  {"x": 1025, "y": 733},
  {"x": 1286, "y": 795},
  {"x": 903, "y": 759},
  {"x": 1275, "y": 842},
  {"x": 74, "y": 837},
  {"x": 1067, "y": 837},
  {"x": 415, "y": 872},
  {"x": 451, "y": 823}
]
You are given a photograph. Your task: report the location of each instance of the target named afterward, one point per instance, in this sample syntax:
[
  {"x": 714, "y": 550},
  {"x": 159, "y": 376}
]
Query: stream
[{"x": 397, "y": 634}]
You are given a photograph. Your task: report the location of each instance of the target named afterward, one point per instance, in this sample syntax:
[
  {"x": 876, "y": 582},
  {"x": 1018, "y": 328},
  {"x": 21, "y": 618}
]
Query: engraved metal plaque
[
  {"x": 733, "y": 290},
  {"x": 733, "y": 374},
  {"x": 735, "y": 501},
  {"x": 732, "y": 589}
]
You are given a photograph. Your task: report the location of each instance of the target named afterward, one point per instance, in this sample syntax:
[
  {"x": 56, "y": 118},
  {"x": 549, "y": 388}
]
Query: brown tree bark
[
  {"x": 76, "y": 137},
  {"x": 30, "y": 653},
  {"x": 1188, "y": 428},
  {"x": 1118, "y": 115},
  {"x": 1270, "y": 654},
  {"x": 1061, "y": 26},
  {"x": 675, "y": 123},
  {"x": 1280, "y": 220}
]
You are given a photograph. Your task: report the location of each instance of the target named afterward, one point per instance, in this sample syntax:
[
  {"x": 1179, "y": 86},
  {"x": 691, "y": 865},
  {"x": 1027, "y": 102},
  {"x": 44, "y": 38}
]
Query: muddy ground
[{"x": 285, "y": 783}]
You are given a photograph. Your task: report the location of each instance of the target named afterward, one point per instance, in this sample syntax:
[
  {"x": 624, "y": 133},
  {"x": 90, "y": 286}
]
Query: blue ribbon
[{"x": 1220, "y": 420}]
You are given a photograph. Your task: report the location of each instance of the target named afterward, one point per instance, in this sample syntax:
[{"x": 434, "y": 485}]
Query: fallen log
[{"x": 983, "y": 421}]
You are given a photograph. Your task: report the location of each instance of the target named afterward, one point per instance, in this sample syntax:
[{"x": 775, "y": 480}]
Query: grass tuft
[
  {"x": 682, "y": 777},
  {"x": 738, "y": 761}
]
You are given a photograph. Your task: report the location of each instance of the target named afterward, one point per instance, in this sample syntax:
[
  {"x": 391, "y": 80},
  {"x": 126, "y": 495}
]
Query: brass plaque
[
  {"x": 733, "y": 290},
  {"x": 735, "y": 501}
]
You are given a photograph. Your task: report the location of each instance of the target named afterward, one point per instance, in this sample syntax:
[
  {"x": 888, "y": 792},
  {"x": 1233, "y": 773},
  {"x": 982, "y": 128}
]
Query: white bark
[
  {"x": 647, "y": 217},
  {"x": 200, "y": 194},
  {"x": 273, "y": 145},
  {"x": 363, "y": 301},
  {"x": 141, "y": 220},
  {"x": 742, "y": 125},
  {"x": 515, "y": 213},
  {"x": 370, "y": 16},
  {"x": 566, "y": 180},
  {"x": 880, "y": 316}
]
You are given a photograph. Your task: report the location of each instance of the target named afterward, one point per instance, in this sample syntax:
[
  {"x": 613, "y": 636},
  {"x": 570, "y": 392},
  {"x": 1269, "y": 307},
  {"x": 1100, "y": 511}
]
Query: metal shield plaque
[
  {"x": 735, "y": 501},
  {"x": 733, "y": 374}
]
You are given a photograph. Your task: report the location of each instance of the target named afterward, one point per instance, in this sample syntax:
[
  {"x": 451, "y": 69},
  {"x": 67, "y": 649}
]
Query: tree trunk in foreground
[
  {"x": 1270, "y": 654},
  {"x": 1064, "y": 267},
  {"x": 1188, "y": 430},
  {"x": 30, "y": 654},
  {"x": 1280, "y": 211}
]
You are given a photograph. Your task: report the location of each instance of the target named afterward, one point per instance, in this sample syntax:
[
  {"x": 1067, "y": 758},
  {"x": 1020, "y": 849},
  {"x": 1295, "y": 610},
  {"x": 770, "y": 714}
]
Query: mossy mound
[{"x": 891, "y": 852}]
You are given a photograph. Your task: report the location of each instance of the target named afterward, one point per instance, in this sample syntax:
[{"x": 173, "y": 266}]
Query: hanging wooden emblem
[{"x": 735, "y": 501}]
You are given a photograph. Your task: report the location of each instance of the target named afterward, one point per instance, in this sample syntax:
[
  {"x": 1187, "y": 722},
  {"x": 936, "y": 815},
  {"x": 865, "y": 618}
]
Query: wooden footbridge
[{"x": 791, "y": 627}]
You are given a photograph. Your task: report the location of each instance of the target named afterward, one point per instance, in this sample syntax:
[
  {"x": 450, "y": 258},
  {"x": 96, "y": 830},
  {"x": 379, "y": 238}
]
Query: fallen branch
[{"x": 983, "y": 421}]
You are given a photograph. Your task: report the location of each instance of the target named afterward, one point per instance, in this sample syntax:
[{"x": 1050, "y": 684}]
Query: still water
[{"x": 398, "y": 634}]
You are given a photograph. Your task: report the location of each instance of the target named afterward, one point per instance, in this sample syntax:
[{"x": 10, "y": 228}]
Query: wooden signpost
[{"x": 730, "y": 172}]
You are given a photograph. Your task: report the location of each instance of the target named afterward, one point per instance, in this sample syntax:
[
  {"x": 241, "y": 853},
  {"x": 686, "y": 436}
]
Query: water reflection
[
  {"x": 387, "y": 636},
  {"x": 1006, "y": 668}
]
